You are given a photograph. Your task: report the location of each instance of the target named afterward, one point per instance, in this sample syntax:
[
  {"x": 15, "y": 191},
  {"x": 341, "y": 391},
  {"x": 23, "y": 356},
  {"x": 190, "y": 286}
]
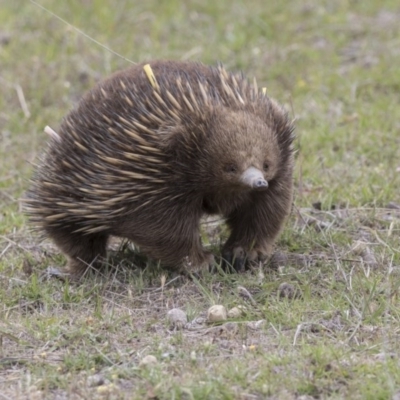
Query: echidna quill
[{"x": 149, "y": 151}]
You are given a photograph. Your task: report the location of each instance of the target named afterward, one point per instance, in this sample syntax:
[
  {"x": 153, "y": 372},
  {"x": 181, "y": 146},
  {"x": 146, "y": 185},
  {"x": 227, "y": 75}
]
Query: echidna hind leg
[{"x": 83, "y": 251}]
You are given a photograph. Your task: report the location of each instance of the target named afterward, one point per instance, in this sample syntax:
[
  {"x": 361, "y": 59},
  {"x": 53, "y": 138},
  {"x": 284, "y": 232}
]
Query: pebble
[
  {"x": 216, "y": 313},
  {"x": 236, "y": 312},
  {"x": 148, "y": 361},
  {"x": 177, "y": 318},
  {"x": 287, "y": 290}
]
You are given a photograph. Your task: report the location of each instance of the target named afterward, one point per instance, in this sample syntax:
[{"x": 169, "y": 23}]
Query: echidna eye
[
  {"x": 266, "y": 167},
  {"x": 231, "y": 168}
]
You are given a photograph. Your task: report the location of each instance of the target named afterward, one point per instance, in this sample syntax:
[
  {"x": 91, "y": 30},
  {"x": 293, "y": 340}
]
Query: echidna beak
[{"x": 254, "y": 178}]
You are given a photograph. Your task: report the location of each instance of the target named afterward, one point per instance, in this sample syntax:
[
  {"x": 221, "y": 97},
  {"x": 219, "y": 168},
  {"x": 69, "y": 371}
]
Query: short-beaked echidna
[{"x": 145, "y": 155}]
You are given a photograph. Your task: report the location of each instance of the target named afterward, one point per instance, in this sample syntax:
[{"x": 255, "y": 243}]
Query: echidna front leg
[
  {"x": 255, "y": 227},
  {"x": 83, "y": 251}
]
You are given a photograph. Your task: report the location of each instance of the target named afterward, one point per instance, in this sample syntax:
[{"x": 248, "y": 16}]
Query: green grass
[{"x": 335, "y": 67}]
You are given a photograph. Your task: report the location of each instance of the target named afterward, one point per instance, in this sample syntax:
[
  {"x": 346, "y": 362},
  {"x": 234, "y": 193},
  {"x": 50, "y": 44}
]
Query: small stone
[
  {"x": 278, "y": 259},
  {"x": 287, "y": 290},
  {"x": 216, "y": 313},
  {"x": 95, "y": 380},
  {"x": 177, "y": 318},
  {"x": 148, "y": 361},
  {"x": 236, "y": 312}
]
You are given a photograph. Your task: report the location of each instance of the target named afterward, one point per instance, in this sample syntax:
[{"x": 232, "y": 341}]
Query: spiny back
[{"x": 111, "y": 157}]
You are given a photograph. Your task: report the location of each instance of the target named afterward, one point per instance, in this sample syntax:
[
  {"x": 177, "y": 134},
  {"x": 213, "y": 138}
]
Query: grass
[{"x": 335, "y": 66}]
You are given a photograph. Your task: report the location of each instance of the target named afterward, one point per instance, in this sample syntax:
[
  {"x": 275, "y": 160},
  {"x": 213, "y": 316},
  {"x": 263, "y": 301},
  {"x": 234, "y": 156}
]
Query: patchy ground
[{"x": 322, "y": 320}]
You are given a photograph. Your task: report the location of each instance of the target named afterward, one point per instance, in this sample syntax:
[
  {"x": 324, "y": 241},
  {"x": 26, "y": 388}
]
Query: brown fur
[{"x": 146, "y": 163}]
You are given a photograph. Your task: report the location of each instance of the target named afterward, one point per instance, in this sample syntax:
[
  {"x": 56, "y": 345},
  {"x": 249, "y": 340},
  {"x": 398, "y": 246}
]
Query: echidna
[{"x": 145, "y": 155}]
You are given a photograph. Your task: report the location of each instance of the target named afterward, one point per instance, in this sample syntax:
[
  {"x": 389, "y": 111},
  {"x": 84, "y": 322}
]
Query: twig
[
  {"x": 4, "y": 251},
  {"x": 20, "y": 94},
  {"x": 22, "y": 101}
]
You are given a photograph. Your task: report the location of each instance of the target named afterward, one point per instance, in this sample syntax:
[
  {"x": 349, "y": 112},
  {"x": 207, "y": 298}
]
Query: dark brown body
[{"x": 146, "y": 162}]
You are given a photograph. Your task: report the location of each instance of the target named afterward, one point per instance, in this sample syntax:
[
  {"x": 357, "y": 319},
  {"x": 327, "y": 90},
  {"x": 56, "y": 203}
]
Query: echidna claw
[
  {"x": 239, "y": 260},
  {"x": 234, "y": 260}
]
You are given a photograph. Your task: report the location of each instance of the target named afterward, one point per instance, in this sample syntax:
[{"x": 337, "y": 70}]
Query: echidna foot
[{"x": 239, "y": 259}]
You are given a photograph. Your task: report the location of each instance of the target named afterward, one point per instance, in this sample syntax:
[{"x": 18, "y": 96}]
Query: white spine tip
[{"x": 52, "y": 133}]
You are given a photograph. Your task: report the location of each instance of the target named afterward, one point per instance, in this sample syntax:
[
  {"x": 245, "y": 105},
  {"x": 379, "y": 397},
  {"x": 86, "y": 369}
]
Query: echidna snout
[{"x": 254, "y": 178}]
